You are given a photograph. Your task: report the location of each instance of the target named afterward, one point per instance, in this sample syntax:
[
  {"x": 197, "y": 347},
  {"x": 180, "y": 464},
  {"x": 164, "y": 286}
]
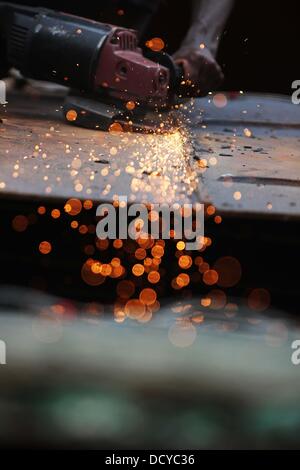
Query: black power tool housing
[{"x": 101, "y": 63}]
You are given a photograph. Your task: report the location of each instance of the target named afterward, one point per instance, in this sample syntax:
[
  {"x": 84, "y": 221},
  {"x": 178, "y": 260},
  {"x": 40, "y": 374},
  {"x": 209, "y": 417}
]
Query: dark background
[{"x": 259, "y": 48}]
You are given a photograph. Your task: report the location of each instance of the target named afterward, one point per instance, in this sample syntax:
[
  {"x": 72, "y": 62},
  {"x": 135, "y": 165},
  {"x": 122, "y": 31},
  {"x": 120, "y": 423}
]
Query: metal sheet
[
  {"x": 41, "y": 156},
  {"x": 243, "y": 157},
  {"x": 249, "y": 154}
]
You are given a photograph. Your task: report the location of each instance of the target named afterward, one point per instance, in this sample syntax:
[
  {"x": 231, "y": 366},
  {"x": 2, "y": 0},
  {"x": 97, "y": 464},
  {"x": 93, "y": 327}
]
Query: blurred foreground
[{"x": 80, "y": 380}]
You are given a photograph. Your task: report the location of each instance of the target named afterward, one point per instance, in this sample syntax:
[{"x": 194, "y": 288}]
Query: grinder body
[
  {"x": 101, "y": 63},
  {"x": 80, "y": 53}
]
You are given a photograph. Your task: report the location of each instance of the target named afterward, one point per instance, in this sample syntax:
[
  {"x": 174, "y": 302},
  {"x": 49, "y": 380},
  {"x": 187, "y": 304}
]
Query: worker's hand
[{"x": 200, "y": 70}]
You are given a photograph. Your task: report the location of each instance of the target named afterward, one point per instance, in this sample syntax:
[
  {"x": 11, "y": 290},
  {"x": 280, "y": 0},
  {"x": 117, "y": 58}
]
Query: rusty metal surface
[{"x": 244, "y": 157}]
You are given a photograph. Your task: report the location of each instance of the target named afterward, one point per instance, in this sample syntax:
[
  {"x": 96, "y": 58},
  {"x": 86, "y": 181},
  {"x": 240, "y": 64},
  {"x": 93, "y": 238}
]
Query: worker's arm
[{"x": 199, "y": 48}]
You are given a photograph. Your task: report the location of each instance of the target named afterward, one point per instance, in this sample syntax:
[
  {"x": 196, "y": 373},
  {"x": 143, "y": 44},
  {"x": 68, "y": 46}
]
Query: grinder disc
[{"x": 86, "y": 112}]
